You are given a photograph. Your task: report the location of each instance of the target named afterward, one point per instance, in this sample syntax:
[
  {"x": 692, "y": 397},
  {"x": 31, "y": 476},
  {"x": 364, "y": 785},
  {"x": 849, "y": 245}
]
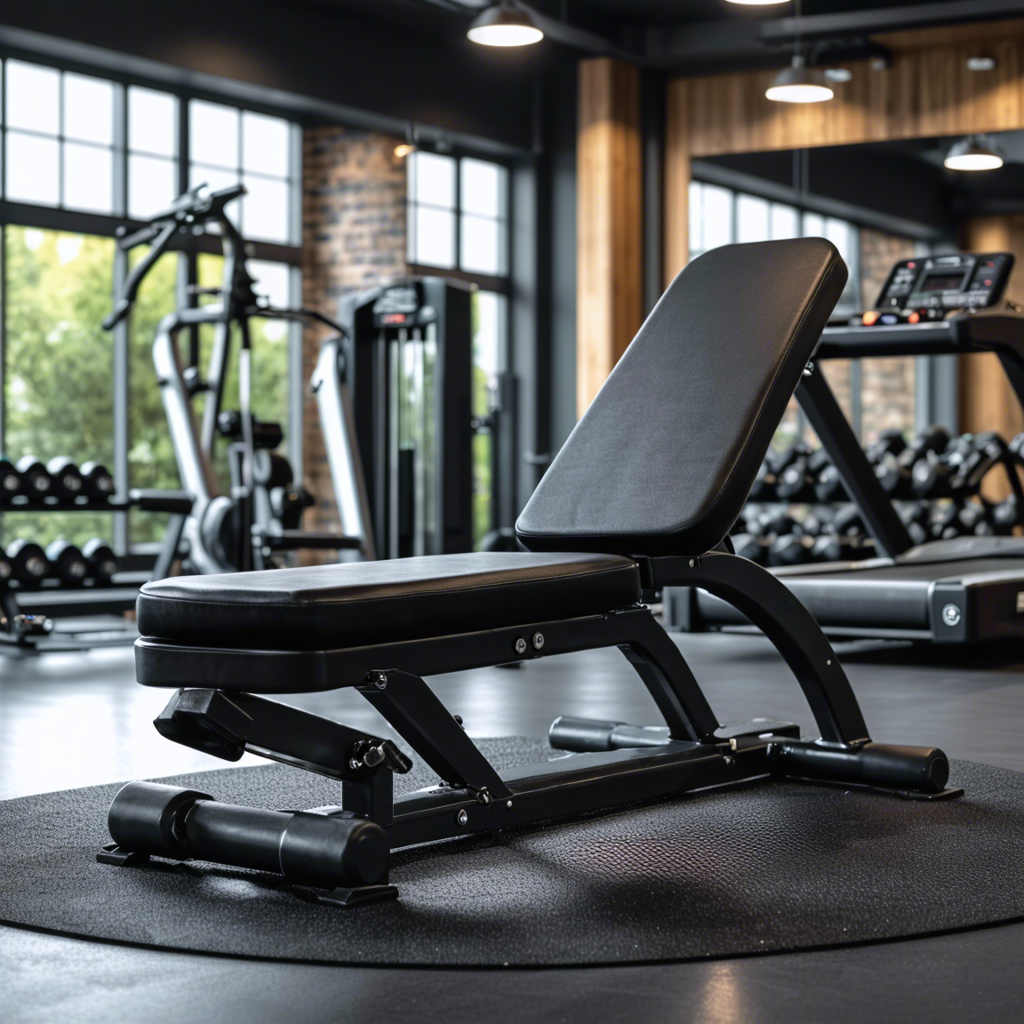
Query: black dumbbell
[
  {"x": 100, "y": 559},
  {"x": 914, "y": 516},
  {"x": 987, "y": 451},
  {"x": 848, "y": 522},
  {"x": 68, "y": 484},
  {"x": 933, "y": 475},
  {"x": 890, "y": 442},
  {"x": 960, "y": 519},
  {"x": 944, "y": 523},
  {"x": 36, "y": 481},
  {"x": 98, "y": 481},
  {"x": 797, "y": 482},
  {"x": 776, "y": 523},
  {"x": 67, "y": 563},
  {"x": 834, "y": 547},
  {"x": 746, "y": 545},
  {"x": 29, "y": 565},
  {"x": 813, "y": 525},
  {"x": 895, "y": 472},
  {"x": 1005, "y": 516},
  {"x": 6, "y": 569},
  {"x": 1016, "y": 447},
  {"x": 975, "y": 518},
  {"x": 10, "y": 480},
  {"x": 829, "y": 485},
  {"x": 791, "y": 549},
  {"x": 763, "y": 488}
]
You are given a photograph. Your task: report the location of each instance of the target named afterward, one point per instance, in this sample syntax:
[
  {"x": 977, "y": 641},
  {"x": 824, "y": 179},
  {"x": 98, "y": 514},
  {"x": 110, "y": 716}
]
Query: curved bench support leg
[
  {"x": 662, "y": 667},
  {"x": 771, "y": 606}
]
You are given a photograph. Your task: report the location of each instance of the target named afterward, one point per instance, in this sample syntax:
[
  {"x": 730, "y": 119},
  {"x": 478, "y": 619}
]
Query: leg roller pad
[
  {"x": 320, "y": 850},
  {"x": 912, "y": 770}
]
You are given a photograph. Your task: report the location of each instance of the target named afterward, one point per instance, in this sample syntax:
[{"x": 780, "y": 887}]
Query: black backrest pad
[{"x": 664, "y": 458}]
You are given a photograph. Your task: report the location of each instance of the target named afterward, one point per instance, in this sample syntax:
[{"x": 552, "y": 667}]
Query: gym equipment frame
[
  {"x": 410, "y": 618},
  {"x": 238, "y": 532}
]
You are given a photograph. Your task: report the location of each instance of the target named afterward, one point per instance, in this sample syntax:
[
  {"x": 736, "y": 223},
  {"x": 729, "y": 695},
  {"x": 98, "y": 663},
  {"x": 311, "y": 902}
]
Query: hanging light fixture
[
  {"x": 974, "y": 153},
  {"x": 798, "y": 83},
  {"x": 758, "y": 3},
  {"x": 504, "y": 24},
  {"x": 411, "y": 144}
]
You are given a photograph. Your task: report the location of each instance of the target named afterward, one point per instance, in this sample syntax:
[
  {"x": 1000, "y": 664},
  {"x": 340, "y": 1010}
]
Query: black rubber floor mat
[{"x": 768, "y": 867}]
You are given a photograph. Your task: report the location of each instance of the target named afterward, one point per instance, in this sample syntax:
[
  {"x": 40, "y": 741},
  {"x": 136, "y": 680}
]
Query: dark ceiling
[
  {"x": 674, "y": 12},
  {"x": 690, "y": 35}
]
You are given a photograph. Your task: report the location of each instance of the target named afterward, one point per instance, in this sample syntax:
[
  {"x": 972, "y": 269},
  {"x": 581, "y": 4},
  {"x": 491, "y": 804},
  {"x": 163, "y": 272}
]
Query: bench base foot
[{"x": 358, "y": 896}]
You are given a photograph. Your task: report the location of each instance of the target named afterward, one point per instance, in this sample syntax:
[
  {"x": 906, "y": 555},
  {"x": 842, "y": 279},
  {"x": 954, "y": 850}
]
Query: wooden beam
[
  {"x": 677, "y": 180},
  {"x": 609, "y": 221}
]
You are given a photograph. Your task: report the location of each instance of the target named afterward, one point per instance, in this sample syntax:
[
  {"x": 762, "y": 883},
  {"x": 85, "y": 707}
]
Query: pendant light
[
  {"x": 798, "y": 83},
  {"x": 504, "y": 24},
  {"x": 974, "y": 153}
]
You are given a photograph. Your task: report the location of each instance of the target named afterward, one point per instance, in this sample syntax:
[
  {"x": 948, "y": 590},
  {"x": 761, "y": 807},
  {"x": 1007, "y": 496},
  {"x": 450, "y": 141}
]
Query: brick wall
[
  {"x": 887, "y": 385},
  {"x": 353, "y": 237}
]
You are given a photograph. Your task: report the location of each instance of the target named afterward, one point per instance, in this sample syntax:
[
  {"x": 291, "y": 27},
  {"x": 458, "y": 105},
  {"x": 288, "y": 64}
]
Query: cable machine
[
  {"x": 261, "y": 515},
  {"x": 407, "y": 357}
]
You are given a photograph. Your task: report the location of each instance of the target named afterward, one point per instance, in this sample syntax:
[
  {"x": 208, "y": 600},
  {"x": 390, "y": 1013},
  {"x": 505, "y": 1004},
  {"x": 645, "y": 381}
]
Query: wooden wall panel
[
  {"x": 609, "y": 221},
  {"x": 676, "y": 213},
  {"x": 927, "y": 91}
]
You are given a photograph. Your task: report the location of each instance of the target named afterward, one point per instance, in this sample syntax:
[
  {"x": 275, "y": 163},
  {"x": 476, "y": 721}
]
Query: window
[
  {"x": 457, "y": 225},
  {"x": 227, "y": 145},
  {"x": 152, "y": 151},
  {"x": 81, "y": 154},
  {"x": 875, "y": 394},
  {"x": 59, "y": 138},
  {"x": 457, "y": 217}
]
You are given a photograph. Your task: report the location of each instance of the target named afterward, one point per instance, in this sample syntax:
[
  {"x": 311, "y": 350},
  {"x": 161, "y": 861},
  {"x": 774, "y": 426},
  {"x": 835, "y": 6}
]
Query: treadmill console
[{"x": 936, "y": 285}]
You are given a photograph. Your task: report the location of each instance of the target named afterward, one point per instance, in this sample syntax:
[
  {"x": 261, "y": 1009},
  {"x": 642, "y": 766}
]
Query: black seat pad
[{"x": 358, "y": 604}]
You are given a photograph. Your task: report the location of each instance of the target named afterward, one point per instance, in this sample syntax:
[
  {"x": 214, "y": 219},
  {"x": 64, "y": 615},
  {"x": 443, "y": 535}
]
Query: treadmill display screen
[{"x": 941, "y": 283}]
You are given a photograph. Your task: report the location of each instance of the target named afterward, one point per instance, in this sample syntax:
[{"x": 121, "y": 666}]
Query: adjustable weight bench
[{"x": 641, "y": 495}]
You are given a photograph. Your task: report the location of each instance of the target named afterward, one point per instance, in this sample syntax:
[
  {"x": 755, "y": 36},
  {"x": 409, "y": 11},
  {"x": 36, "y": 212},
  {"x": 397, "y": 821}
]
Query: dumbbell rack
[{"x": 45, "y": 618}]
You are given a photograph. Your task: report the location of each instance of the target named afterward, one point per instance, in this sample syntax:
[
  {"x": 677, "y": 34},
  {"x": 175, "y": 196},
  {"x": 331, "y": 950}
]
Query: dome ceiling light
[
  {"x": 799, "y": 84},
  {"x": 974, "y": 153},
  {"x": 504, "y": 24}
]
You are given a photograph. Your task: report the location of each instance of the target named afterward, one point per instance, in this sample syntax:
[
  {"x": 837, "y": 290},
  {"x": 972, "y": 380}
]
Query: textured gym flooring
[{"x": 71, "y": 721}]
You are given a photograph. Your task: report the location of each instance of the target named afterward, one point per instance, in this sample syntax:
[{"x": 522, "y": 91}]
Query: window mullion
[{"x": 457, "y": 199}]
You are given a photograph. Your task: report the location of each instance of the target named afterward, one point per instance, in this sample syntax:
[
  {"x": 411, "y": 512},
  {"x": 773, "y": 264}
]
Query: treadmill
[{"x": 965, "y": 590}]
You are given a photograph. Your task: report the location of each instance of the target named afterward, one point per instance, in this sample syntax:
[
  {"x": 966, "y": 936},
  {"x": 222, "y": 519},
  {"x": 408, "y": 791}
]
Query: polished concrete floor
[{"x": 77, "y": 720}]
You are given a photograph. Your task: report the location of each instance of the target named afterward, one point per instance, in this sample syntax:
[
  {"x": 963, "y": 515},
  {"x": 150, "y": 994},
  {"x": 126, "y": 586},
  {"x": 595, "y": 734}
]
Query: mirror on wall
[{"x": 879, "y": 203}]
